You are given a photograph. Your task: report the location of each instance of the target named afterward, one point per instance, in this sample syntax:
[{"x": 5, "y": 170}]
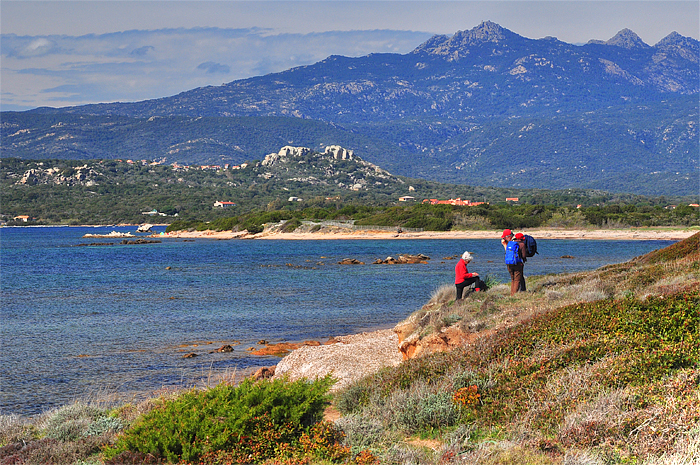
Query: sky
[{"x": 62, "y": 53}]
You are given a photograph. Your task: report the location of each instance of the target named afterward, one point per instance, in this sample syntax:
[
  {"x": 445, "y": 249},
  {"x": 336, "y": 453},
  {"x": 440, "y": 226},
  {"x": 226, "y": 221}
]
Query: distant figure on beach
[
  {"x": 514, "y": 246},
  {"x": 463, "y": 278}
]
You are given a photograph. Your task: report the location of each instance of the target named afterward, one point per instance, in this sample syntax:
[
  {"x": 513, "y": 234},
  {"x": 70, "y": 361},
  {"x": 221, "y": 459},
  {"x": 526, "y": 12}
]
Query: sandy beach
[{"x": 675, "y": 234}]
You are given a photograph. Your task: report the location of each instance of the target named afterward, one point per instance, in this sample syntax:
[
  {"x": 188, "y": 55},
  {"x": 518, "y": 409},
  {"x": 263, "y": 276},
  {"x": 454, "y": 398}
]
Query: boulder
[{"x": 264, "y": 373}]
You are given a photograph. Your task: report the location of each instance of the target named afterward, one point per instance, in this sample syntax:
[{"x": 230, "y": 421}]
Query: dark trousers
[
  {"x": 467, "y": 282},
  {"x": 517, "y": 278}
]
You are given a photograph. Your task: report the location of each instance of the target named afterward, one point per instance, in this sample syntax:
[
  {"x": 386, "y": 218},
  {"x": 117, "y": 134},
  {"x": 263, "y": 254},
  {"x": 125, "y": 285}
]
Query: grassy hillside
[
  {"x": 598, "y": 367},
  {"x": 595, "y": 367}
]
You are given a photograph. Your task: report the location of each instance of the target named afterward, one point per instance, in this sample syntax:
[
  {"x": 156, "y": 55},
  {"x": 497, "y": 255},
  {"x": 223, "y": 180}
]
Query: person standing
[
  {"x": 515, "y": 259},
  {"x": 463, "y": 277}
]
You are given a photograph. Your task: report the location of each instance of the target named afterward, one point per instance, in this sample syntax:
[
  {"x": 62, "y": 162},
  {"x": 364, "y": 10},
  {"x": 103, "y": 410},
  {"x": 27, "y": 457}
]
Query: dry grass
[{"x": 641, "y": 277}]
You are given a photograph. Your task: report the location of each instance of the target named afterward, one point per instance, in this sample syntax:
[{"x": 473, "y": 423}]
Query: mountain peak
[
  {"x": 486, "y": 32},
  {"x": 675, "y": 39},
  {"x": 626, "y": 38},
  {"x": 681, "y": 46}
]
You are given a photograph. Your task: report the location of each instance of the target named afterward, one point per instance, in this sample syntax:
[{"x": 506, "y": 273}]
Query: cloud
[
  {"x": 28, "y": 47},
  {"x": 214, "y": 68},
  {"x": 142, "y": 51},
  {"x": 58, "y": 70}
]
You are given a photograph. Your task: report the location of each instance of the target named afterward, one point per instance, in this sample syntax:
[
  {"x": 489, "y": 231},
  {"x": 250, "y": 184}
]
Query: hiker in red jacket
[{"x": 463, "y": 277}]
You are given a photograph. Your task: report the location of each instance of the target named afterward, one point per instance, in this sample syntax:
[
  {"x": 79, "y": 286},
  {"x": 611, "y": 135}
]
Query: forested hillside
[{"x": 318, "y": 185}]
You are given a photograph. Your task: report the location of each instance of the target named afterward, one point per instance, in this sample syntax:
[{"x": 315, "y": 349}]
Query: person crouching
[{"x": 463, "y": 278}]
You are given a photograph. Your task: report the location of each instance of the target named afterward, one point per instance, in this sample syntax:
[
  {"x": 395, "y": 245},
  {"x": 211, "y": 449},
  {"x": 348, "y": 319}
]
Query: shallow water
[{"x": 77, "y": 321}]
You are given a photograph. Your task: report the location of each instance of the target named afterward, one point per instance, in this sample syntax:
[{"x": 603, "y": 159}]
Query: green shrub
[
  {"x": 250, "y": 419},
  {"x": 422, "y": 407},
  {"x": 291, "y": 225},
  {"x": 466, "y": 377},
  {"x": 224, "y": 224},
  {"x": 361, "y": 432},
  {"x": 492, "y": 281},
  {"x": 181, "y": 225},
  {"x": 351, "y": 399},
  {"x": 104, "y": 425},
  {"x": 71, "y": 422},
  {"x": 253, "y": 228}
]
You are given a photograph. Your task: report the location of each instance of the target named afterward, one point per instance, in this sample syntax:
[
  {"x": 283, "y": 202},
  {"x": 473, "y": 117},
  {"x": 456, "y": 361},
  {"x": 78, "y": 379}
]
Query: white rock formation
[
  {"x": 338, "y": 152},
  {"x": 286, "y": 151}
]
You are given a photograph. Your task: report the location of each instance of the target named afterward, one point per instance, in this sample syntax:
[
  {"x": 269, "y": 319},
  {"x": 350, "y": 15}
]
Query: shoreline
[{"x": 673, "y": 234}]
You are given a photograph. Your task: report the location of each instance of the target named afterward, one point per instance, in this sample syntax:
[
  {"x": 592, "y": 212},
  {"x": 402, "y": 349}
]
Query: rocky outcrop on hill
[
  {"x": 334, "y": 166},
  {"x": 284, "y": 152},
  {"x": 81, "y": 175},
  {"x": 338, "y": 152}
]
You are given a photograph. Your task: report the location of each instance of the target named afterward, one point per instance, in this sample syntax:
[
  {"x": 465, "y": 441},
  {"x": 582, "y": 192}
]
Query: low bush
[
  {"x": 71, "y": 422},
  {"x": 260, "y": 419},
  {"x": 290, "y": 225},
  {"x": 422, "y": 409},
  {"x": 361, "y": 432}
]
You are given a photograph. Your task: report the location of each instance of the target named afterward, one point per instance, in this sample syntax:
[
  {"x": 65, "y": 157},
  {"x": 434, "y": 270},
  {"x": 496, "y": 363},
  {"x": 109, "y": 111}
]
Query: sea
[{"x": 84, "y": 321}]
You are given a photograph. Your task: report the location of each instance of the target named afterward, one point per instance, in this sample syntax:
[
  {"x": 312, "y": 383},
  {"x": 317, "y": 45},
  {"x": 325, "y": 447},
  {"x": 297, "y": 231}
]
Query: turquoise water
[{"x": 83, "y": 321}]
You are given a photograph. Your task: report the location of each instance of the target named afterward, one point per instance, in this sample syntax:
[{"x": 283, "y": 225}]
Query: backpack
[
  {"x": 530, "y": 246},
  {"x": 512, "y": 255}
]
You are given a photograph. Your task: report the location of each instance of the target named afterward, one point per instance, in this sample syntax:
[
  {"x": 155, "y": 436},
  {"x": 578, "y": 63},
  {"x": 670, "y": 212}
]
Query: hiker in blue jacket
[{"x": 514, "y": 246}]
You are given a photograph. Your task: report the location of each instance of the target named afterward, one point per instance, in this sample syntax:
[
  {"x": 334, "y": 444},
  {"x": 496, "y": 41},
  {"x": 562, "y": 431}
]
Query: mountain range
[{"x": 484, "y": 106}]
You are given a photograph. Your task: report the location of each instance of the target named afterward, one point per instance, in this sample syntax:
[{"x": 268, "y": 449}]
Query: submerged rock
[
  {"x": 138, "y": 242},
  {"x": 282, "y": 348},
  {"x": 350, "y": 261},
  {"x": 224, "y": 348},
  {"x": 403, "y": 259}
]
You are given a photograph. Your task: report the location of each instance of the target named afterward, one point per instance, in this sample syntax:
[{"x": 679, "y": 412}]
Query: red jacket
[{"x": 461, "y": 272}]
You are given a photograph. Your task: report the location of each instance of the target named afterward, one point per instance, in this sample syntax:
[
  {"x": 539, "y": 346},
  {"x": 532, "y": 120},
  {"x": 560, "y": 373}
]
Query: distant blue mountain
[{"x": 483, "y": 107}]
